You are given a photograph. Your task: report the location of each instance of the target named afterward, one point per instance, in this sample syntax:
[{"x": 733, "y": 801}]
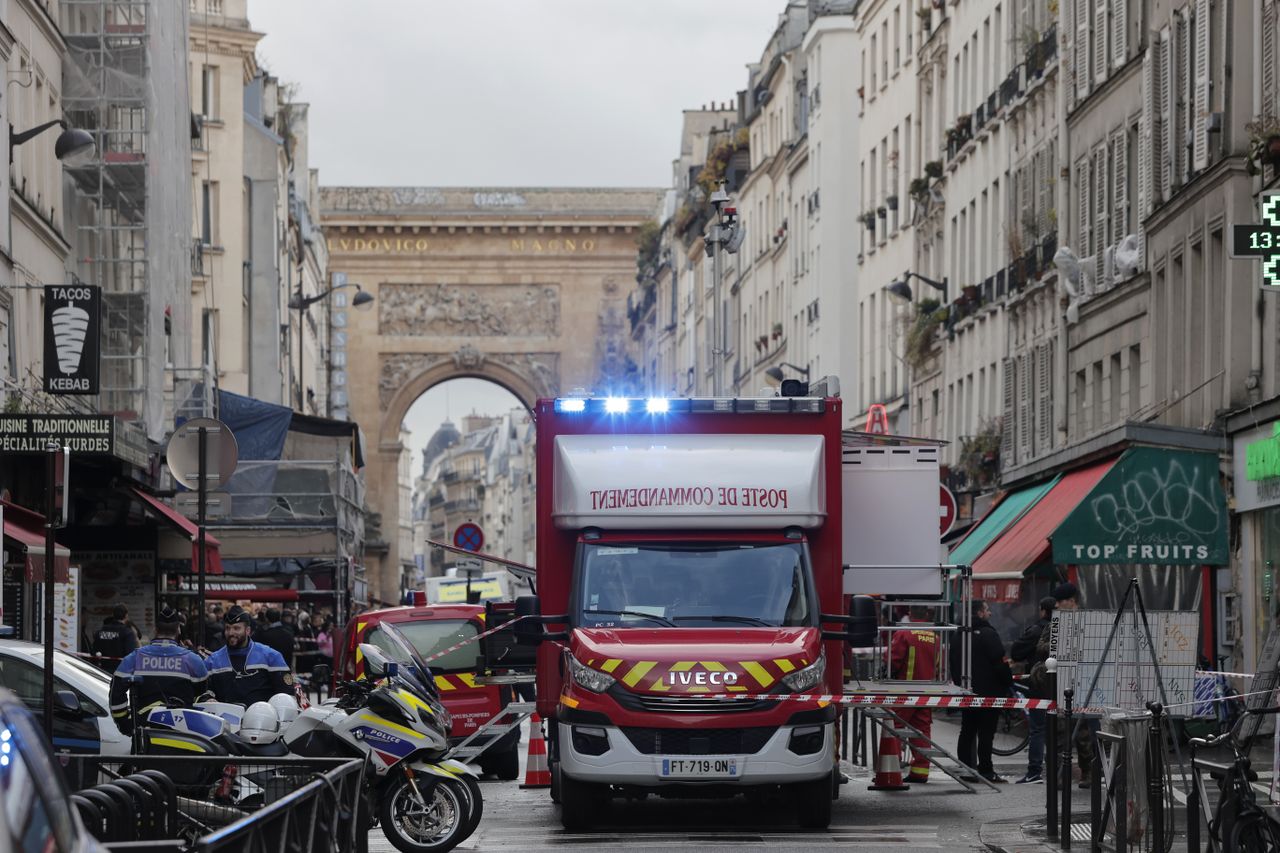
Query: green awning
[
  {"x": 1155, "y": 505},
  {"x": 997, "y": 521}
]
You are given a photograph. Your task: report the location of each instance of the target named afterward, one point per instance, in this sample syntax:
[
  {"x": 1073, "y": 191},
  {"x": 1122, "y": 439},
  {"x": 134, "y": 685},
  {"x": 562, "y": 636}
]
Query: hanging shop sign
[
  {"x": 72, "y": 338},
  {"x": 90, "y": 435}
]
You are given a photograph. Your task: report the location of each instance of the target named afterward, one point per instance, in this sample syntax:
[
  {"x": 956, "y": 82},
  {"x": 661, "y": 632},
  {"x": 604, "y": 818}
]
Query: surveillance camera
[{"x": 735, "y": 239}]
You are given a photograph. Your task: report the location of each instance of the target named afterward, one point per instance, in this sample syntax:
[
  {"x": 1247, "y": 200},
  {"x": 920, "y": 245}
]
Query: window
[
  {"x": 208, "y": 209},
  {"x": 1135, "y": 380},
  {"x": 1115, "y": 388},
  {"x": 209, "y": 91}
]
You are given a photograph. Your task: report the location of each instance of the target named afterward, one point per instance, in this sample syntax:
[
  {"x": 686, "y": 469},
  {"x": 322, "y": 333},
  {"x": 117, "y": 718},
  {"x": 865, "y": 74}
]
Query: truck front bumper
[{"x": 623, "y": 764}]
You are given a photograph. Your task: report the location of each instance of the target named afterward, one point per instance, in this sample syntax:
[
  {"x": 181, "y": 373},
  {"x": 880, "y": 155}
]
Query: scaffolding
[{"x": 126, "y": 58}]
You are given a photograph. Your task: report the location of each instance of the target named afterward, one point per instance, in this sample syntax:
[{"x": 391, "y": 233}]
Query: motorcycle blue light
[{"x": 657, "y": 406}]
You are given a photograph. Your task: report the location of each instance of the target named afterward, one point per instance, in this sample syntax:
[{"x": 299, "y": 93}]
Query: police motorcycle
[{"x": 423, "y": 800}]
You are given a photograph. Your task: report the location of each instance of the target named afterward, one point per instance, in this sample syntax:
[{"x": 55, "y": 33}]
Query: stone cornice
[{"x": 363, "y": 204}]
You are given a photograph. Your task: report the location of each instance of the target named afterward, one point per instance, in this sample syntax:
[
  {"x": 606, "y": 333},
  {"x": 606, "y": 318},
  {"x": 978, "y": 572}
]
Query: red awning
[
  {"x": 993, "y": 591},
  {"x": 179, "y": 522},
  {"x": 1026, "y": 542},
  {"x": 26, "y": 528},
  {"x": 264, "y": 595}
]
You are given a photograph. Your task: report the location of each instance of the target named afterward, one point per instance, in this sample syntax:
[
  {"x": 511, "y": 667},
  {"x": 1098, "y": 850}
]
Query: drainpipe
[
  {"x": 1062, "y": 401},
  {"x": 1253, "y": 383}
]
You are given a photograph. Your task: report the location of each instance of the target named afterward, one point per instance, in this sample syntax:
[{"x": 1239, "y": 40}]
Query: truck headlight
[
  {"x": 592, "y": 679},
  {"x": 807, "y": 678}
]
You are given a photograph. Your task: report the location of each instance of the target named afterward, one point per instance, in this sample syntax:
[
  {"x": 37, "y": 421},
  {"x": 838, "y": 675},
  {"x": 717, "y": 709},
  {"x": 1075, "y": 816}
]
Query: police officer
[
  {"x": 243, "y": 672},
  {"x": 160, "y": 672},
  {"x": 114, "y": 639}
]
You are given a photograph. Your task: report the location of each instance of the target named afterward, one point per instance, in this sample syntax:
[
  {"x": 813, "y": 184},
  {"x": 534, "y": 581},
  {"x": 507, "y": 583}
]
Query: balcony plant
[
  {"x": 891, "y": 202},
  {"x": 1264, "y": 140},
  {"x": 929, "y": 317},
  {"x": 868, "y": 219},
  {"x": 918, "y": 188},
  {"x": 777, "y": 331},
  {"x": 933, "y": 169},
  {"x": 980, "y": 454},
  {"x": 925, "y": 14},
  {"x": 882, "y": 212}
]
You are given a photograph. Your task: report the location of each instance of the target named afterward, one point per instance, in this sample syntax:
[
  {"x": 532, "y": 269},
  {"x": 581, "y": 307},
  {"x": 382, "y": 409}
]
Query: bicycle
[
  {"x": 1013, "y": 732},
  {"x": 1237, "y": 823}
]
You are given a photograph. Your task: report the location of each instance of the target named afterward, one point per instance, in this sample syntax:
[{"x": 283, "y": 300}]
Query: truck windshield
[
  {"x": 664, "y": 585},
  {"x": 430, "y": 637}
]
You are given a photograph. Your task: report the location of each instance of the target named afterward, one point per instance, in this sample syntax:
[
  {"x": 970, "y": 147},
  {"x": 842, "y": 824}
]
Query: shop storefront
[
  {"x": 1157, "y": 514},
  {"x": 1256, "y": 486}
]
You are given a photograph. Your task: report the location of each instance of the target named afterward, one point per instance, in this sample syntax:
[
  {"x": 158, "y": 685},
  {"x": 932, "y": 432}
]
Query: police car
[{"x": 91, "y": 729}]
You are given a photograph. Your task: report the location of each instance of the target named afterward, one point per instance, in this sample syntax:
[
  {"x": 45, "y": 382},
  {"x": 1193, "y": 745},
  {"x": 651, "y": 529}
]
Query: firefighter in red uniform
[{"x": 913, "y": 656}]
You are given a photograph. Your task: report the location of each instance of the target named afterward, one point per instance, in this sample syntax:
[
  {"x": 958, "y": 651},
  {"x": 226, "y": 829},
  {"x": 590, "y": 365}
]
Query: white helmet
[
  {"x": 286, "y": 707},
  {"x": 260, "y": 724}
]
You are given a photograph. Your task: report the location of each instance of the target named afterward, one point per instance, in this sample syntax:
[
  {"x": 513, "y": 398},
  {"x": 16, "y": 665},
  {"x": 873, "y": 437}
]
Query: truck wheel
[
  {"x": 813, "y": 803},
  {"x": 555, "y": 782},
  {"x": 580, "y": 803}
]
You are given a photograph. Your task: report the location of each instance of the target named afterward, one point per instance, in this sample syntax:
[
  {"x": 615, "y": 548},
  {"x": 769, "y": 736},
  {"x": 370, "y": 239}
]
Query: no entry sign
[
  {"x": 946, "y": 509},
  {"x": 468, "y": 537}
]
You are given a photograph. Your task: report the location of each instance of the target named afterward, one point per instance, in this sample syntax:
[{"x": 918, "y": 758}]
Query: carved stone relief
[
  {"x": 490, "y": 310},
  {"x": 540, "y": 370}
]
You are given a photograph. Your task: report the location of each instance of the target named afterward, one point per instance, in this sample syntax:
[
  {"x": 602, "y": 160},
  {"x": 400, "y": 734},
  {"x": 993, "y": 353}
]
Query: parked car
[
  {"x": 433, "y": 629},
  {"x": 92, "y": 729},
  {"x": 35, "y": 803}
]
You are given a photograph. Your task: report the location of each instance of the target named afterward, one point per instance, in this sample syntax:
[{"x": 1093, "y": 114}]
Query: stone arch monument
[{"x": 517, "y": 286}]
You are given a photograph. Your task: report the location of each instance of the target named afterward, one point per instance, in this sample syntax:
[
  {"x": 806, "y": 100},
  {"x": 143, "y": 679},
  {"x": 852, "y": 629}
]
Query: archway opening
[{"x": 467, "y": 469}]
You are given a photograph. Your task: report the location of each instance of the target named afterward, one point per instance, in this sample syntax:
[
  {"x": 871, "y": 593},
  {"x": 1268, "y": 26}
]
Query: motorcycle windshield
[{"x": 404, "y": 653}]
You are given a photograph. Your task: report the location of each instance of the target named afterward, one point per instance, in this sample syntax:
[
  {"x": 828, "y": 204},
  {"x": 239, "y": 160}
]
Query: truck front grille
[
  {"x": 746, "y": 741},
  {"x": 685, "y": 704}
]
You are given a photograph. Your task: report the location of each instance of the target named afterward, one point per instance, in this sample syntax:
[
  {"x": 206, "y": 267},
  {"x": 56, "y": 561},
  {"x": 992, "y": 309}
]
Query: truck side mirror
[
  {"x": 529, "y": 632},
  {"x": 862, "y": 621}
]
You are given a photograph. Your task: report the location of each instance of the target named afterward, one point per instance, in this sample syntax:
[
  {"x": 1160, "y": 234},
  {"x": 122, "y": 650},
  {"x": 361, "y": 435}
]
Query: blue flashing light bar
[{"x": 669, "y": 406}]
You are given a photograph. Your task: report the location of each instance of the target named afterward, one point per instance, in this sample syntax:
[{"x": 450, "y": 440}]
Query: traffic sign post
[
  {"x": 213, "y": 455},
  {"x": 946, "y": 510},
  {"x": 468, "y": 536},
  {"x": 1261, "y": 240}
]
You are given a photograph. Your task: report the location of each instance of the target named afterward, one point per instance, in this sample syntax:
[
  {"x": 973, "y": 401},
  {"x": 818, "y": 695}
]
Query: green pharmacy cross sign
[{"x": 1261, "y": 240}]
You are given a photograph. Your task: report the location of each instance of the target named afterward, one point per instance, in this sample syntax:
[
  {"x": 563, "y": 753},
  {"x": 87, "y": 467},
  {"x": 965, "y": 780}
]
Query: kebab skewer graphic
[{"x": 70, "y": 326}]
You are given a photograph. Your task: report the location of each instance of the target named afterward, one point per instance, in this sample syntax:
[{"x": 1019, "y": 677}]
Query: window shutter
[
  {"x": 1082, "y": 70},
  {"x": 1200, "y": 142},
  {"x": 1007, "y": 425},
  {"x": 1166, "y": 79},
  {"x": 1084, "y": 181},
  {"x": 1102, "y": 215},
  {"x": 1183, "y": 102},
  {"x": 1026, "y": 408},
  {"x": 1044, "y": 398},
  {"x": 1119, "y": 32},
  {"x": 1269, "y": 59},
  {"x": 1099, "y": 33},
  {"x": 1120, "y": 210},
  {"x": 1040, "y": 163},
  {"x": 1146, "y": 131}
]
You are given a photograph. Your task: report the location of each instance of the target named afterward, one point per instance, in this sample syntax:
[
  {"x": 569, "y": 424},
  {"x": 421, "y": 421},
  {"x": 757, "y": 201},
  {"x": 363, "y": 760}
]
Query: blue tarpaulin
[{"x": 260, "y": 430}]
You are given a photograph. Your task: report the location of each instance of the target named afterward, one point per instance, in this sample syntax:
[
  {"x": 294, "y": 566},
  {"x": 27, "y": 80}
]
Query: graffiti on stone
[{"x": 491, "y": 310}]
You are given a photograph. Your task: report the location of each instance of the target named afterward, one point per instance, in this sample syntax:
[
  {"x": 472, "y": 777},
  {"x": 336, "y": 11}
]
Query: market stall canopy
[
  {"x": 179, "y": 522},
  {"x": 1025, "y": 543},
  {"x": 1155, "y": 505},
  {"x": 25, "y": 529}
]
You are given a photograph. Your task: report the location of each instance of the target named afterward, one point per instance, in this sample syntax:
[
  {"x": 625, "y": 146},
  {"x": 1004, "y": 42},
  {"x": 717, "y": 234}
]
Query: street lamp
[
  {"x": 901, "y": 291},
  {"x": 74, "y": 147},
  {"x": 362, "y": 301}
]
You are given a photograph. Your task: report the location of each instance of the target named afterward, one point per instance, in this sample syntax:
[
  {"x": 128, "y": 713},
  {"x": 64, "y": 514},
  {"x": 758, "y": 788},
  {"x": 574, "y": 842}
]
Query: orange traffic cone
[
  {"x": 888, "y": 763},
  {"x": 536, "y": 772}
]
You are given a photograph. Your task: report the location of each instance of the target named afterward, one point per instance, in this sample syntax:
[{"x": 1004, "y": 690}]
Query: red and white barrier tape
[
  {"x": 504, "y": 626},
  {"x": 893, "y": 700}
]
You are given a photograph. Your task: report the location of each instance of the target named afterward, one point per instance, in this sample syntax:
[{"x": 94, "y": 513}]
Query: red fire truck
[{"x": 689, "y": 553}]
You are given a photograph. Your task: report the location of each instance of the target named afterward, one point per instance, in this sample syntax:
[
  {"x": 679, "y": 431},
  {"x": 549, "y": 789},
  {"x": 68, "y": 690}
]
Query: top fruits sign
[{"x": 72, "y": 338}]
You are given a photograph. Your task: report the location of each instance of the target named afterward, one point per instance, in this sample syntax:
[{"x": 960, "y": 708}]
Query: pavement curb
[{"x": 1010, "y": 836}]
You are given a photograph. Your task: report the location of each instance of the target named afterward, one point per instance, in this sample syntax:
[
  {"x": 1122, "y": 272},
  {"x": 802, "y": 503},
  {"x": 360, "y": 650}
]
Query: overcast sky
[{"x": 504, "y": 93}]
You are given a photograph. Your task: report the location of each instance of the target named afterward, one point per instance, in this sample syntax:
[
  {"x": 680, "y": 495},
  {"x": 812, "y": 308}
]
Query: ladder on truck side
[
  {"x": 495, "y": 728},
  {"x": 892, "y": 722}
]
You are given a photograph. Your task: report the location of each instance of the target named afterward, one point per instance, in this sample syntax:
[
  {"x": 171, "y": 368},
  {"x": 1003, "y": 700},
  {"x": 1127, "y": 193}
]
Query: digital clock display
[{"x": 1255, "y": 241}]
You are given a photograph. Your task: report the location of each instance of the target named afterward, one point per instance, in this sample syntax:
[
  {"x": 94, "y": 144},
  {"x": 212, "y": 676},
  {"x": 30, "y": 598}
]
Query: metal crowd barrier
[{"x": 299, "y": 805}]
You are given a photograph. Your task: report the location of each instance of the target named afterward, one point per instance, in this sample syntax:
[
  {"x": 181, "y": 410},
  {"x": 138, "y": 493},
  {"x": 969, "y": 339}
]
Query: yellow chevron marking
[
  {"x": 415, "y": 702},
  {"x": 639, "y": 671},
  {"x": 735, "y": 688},
  {"x": 698, "y": 689},
  {"x": 610, "y": 665},
  {"x": 177, "y": 744},
  {"x": 784, "y": 664},
  {"x": 591, "y": 662},
  {"x": 758, "y": 672},
  {"x": 713, "y": 665},
  {"x": 359, "y": 655},
  {"x": 480, "y": 616},
  {"x": 660, "y": 686},
  {"x": 683, "y": 665},
  {"x": 467, "y": 678},
  {"x": 360, "y": 627},
  {"x": 443, "y": 683}
]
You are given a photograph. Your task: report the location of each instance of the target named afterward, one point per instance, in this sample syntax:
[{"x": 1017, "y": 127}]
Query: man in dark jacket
[
  {"x": 114, "y": 640},
  {"x": 989, "y": 675},
  {"x": 278, "y": 636},
  {"x": 243, "y": 672},
  {"x": 1026, "y": 650}
]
